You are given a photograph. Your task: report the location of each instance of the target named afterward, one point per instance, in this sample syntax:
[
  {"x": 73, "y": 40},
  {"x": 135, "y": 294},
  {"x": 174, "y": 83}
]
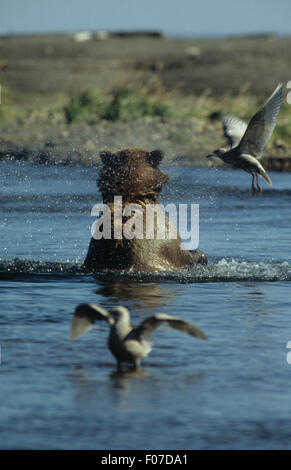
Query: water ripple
[{"x": 222, "y": 270}]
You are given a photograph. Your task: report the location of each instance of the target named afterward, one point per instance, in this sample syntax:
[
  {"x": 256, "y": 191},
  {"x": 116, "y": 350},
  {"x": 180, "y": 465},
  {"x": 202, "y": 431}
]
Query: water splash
[{"x": 222, "y": 270}]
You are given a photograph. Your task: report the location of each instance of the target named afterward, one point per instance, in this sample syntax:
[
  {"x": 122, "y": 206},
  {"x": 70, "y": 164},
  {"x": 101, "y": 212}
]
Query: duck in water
[{"x": 126, "y": 343}]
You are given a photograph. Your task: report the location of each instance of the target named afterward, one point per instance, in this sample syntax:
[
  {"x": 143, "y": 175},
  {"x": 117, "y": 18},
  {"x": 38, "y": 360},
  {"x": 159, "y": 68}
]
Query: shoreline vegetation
[{"x": 64, "y": 97}]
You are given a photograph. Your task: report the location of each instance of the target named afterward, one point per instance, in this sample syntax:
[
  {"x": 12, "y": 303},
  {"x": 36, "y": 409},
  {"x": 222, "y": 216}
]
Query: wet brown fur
[{"x": 135, "y": 175}]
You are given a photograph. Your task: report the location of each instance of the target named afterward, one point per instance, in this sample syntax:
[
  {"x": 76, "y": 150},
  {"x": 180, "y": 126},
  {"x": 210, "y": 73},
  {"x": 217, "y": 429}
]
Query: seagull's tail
[{"x": 264, "y": 174}]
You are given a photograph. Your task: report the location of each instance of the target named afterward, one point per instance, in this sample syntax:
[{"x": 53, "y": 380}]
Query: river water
[{"x": 230, "y": 392}]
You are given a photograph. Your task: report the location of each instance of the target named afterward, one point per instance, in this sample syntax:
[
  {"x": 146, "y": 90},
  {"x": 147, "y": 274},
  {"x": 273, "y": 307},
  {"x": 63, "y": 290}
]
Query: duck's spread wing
[
  {"x": 153, "y": 322},
  {"x": 261, "y": 125},
  {"x": 84, "y": 318},
  {"x": 233, "y": 130}
]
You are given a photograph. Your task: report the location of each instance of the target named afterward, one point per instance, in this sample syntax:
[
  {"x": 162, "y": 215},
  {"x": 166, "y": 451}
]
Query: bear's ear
[
  {"x": 113, "y": 160},
  {"x": 105, "y": 156},
  {"x": 155, "y": 157}
]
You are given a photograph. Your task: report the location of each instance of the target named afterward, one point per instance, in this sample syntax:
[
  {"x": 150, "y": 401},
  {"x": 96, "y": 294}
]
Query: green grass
[
  {"x": 82, "y": 107},
  {"x": 128, "y": 102},
  {"x": 132, "y": 102},
  {"x": 283, "y": 132},
  {"x": 123, "y": 103}
]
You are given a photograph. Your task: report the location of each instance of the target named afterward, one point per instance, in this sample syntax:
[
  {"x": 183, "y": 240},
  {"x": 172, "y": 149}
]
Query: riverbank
[
  {"x": 64, "y": 101},
  {"x": 81, "y": 143}
]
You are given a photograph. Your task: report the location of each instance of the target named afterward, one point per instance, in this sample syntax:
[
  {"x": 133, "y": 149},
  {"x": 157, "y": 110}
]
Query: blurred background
[
  {"x": 80, "y": 76},
  {"x": 186, "y": 18}
]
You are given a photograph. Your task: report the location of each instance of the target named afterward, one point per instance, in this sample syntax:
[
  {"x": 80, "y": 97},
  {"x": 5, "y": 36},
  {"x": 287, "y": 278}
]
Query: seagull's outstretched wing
[
  {"x": 84, "y": 318},
  {"x": 261, "y": 125},
  {"x": 233, "y": 129},
  {"x": 151, "y": 323}
]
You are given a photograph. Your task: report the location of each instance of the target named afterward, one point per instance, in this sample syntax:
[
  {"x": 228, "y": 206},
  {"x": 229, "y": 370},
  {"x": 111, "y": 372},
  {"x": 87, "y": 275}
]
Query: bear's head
[{"x": 133, "y": 174}]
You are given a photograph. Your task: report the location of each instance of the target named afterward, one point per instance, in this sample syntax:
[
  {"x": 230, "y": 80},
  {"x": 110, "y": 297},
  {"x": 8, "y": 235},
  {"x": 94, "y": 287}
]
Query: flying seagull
[
  {"x": 126, "y": 343},
  {"x": 247, "y": 142}
]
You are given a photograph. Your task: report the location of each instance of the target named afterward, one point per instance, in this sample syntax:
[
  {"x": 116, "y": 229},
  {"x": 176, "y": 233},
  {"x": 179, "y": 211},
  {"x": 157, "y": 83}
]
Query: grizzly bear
[{"x": 133, "y": 177}]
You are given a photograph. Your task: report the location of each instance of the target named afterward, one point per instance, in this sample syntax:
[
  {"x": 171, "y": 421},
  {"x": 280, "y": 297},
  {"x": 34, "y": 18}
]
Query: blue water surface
[{"x": 230, "y": 392}]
